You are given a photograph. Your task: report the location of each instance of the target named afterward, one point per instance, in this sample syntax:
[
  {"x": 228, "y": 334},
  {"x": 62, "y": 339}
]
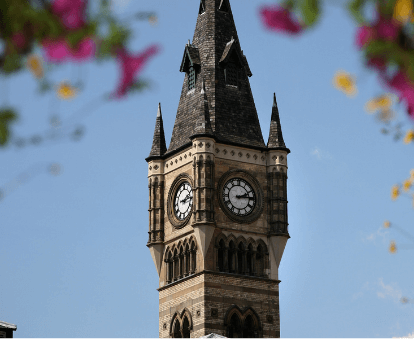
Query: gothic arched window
[
  {"x": 193, "y": 257},
  {"x": 242, "y": 324},
  {"x": 249, "y": 260},
  {"x": 220, "y": 255},
  {"x": 231, "y": 257},
  {"x": 235, "y": 329},
  {"x": 240, "y": 255},
  {"x": 260, "y": 260},
  {"x": 181, "y": 326}
]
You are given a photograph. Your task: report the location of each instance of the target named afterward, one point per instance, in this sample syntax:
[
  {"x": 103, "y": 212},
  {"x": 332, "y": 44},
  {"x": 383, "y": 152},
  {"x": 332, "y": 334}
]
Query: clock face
[
  {"x": 239, "y": 197},
  {"x": 183, "y": 201}
]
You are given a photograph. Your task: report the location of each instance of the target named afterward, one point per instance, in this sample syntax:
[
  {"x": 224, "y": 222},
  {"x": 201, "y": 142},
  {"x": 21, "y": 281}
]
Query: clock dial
[
  {"x": 183, "y": 201},
  {"x": 239, "y": 197}
]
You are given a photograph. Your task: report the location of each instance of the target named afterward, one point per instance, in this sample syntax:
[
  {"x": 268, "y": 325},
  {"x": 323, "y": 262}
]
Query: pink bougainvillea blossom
[
  {"x": 386, "y": 29},
  {"x": 280, "y": 19},
  {"x": 59, "y": 50},
  {"x": 404, "y": 87},
  {"x": 131, "y": 66},
  {"x": 377, "y": 63},
  {"x": 364, "y": 35},
  {"x": 70, "y": 12}
]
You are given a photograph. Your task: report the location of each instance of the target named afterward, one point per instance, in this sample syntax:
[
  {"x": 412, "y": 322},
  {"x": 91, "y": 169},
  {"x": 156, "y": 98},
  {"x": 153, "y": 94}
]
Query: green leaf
[
  {"x": 12, "y": 63},
  {"x": 310, "y": 11},
  {"x": 140, "y": 86},
  {"x": 7, "y": 116},
  {"x": 355, "y": 7}
]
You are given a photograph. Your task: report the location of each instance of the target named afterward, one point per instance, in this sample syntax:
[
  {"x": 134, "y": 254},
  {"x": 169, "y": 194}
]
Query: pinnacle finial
[
  {"x": 188, "y": 44},
  {"x": 274, "y": 100},
  {"x": 203, "y": 87},
  {"x": 159, "y": 110}
]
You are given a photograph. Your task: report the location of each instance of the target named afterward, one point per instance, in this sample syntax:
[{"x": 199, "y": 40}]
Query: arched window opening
[
  {"x": 191, "y": 78},
  {"x": 240, "y": 255},
  {"x": 186, "y": 327},
  {"x": 260, "y": 260},
  {"x": 231, "y": 257},
  {"x": 202, "y": 7},
  {"x": 234, "y": 329},
  {"x": 177, "y": 330},
  {"x": 181, "y": 263},
  {"x": 175, "y": 265},
  {"x": 193, "y": 257},
  {"x": 221, "y": 255},
  {"x": 249, "y": 328},
  {"x": 249, "y": 262},
  {"x": 187, "y": 260},
  {"x": 169, "y": 267}
]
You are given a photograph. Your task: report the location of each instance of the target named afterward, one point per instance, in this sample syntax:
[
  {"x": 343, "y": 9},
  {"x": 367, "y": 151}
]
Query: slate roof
[
  {"x": 232, "y": 112},
  {"x": 191, "y": 53},
  {"x": 203, "y": 125},
  {"x": 158, "y": 142},
  {"x": 4, "y": 324},
  {"x": 275, "y": 134}
]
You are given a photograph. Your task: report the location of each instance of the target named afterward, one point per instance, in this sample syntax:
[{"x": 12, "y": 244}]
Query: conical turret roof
[
  {"x": 159, "y": 147},
  {"x": 232, "y": 111},
  {"x": 275, "y": 134}
]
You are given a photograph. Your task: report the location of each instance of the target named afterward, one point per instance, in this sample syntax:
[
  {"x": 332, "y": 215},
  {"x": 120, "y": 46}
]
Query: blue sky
[{"x": 73, "y": 253}]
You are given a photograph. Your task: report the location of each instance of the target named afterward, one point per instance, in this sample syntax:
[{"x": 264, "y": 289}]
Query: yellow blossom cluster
[
  {"x": 403, "y": 11},
  {"x": 393, "y": 247},
  {"x": 387, "y": 224},
  {"x": 66, "y": 91},
  {"x": 344, "y": 82},
  {"x": 34, "y": 64},
  {"x": 395, "y": 192},
  {"x": 409, "y": 137}
]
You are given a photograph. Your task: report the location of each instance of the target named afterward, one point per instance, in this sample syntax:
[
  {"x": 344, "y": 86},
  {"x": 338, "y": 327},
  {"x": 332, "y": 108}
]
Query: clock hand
[
  {"x": 242, "y": 196},
  {"x": 185, "y": 199}
]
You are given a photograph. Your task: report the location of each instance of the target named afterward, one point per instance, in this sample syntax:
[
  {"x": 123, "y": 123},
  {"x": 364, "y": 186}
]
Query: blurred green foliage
[{"x": 7, "y": 116}]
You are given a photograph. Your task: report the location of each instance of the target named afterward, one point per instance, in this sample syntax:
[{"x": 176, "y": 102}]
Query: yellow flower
[
  {"x": 393, "y": 247},
  {"x": 409, "y": 137},
  {"x": 407, "y": 185},
  {"x": 34, "y": 64},
  {"x": 403, "y": 10},
  {"x": 383, "y": 102},
  {"x": 344, "y": 82},
  {"x": 66, "y": 91},
  {"x": 395, "y": 192},
  {"x": 387, "y": 224}
]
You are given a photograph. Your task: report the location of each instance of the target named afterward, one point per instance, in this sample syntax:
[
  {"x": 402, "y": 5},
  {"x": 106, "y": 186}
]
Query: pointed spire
[
  {"x": 203, "y": 125},
  {"x": 215, "y": 54},
  {"x": 159, "y": 147},
  {"x": 275, "y": 133}
]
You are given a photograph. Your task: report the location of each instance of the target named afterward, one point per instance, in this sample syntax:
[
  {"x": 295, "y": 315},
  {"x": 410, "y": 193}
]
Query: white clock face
[
  {"x": 239, "y": 197},
  {"x": 183, "y": 201}
]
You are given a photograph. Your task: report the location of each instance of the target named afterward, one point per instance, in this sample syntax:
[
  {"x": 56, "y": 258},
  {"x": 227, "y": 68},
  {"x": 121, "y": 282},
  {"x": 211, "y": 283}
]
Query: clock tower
[{"x": 218, "y": 221}]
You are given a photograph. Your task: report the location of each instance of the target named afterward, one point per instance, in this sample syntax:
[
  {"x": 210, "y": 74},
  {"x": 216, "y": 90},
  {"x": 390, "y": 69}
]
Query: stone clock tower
[{"x": 217, "y": 196}]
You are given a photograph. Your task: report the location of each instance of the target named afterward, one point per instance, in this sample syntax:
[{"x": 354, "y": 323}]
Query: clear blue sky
[{"x": 73, "y": 255}]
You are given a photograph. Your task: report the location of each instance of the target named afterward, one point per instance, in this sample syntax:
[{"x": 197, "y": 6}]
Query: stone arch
[
  {"x": 187, "y": 313},
  {"x": 231, "y": 254},
  {"x": 242, "y": 323},
  {"x": 175, "y": 326},
  {"x": 181, "y": 324},
  {"x": 230, "y": 238},
  {"x": 220, "y": 237},
  {"x": 221, "y": 253}
]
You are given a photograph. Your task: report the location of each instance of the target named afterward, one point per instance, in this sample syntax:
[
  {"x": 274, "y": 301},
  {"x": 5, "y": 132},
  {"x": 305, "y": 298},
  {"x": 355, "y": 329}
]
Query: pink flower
[
  {"x": 280, "y": 19},
  {"x": 386, "y": 28},
  {"x": 364, "y": 35},
  {"x": 131, "y": 66},
  {"x": 405, "y": 89},
  {"x": 70, "y": 12},
  {"x": 59, "y": 50},
  {"x": 19, "y": 40}
]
